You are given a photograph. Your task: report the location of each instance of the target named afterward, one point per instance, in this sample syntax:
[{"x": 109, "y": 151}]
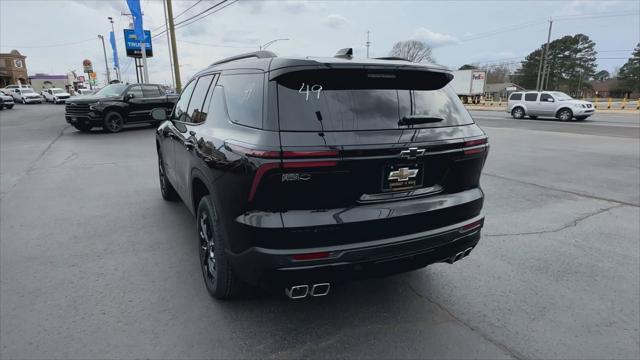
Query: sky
[{"x": 56, "y": 35}]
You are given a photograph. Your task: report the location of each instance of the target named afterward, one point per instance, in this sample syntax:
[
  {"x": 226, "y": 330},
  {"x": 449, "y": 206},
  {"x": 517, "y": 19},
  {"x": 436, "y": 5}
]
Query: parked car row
[{"x": 26, "y": 95}]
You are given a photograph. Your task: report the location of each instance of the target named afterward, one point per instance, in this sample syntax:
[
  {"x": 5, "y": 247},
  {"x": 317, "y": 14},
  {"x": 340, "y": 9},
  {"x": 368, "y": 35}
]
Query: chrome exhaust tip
[
  {"x": 297, "y": 292},
  {"x": 321, "y": 289},
  {"x": 468, "y": 251}
]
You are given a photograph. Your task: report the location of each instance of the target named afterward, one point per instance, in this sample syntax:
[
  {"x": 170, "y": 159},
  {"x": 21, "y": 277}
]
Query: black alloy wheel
[{"x": 113, "y": 122}]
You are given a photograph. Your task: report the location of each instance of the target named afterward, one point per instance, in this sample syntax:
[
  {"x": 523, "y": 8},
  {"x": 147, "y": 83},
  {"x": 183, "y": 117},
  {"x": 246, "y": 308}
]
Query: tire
[
  {"x": 218, "y": 275},
  {"x": 25, "y": 102},
  {"x": 580, "y": 118},
  {"x": 564, "y": 114},
  {"x": 9, "y": 106},
  {"x": 517, "y": 112},
  {"x": 113, "y": 122},
  {"x": 532, "y": 117},
  {"x": 83, "y": 127},
  {"x": 166, "y": 188}
]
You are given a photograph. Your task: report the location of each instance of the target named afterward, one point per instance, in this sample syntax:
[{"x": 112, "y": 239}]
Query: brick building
[{"x": 13, "y": 69}]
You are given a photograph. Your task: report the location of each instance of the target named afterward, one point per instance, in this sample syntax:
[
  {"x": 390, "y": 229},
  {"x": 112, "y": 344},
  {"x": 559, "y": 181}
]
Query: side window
[
  {"x": 516, "y": 96},
  {"x": 530, "y": 96},
  {"x": 180, "y": 111},
  {"x": 243, "y": 97},
  {"x": 136, "y": 90},
  {"x": 196, "y": 112},
  {"x": 151, "y": 91},
  {"x": 546, "y": 97}
]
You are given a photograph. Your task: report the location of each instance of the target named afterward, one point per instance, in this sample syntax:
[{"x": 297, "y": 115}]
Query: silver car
[{"x": 548, "y": 104}]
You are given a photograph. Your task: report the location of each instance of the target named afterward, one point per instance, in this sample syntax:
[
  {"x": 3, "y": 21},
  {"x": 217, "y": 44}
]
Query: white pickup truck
[{"x": 55, "y": 95}]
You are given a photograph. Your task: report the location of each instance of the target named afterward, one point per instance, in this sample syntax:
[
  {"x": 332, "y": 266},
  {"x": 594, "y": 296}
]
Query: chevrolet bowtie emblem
[{"x": 403, "y": 174}]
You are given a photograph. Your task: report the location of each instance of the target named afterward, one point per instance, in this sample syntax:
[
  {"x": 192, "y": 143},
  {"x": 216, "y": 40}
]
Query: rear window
[
  {"x": 517, "y": 96},
  {"x": 531, "y": 97},
  {"x": 349, "y": 100}
]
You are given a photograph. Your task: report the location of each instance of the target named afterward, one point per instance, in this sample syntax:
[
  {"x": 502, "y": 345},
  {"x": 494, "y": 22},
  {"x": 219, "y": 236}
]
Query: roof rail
[
  {"x": 262, "y": 54},
  {"x": 392, "y": 58}
]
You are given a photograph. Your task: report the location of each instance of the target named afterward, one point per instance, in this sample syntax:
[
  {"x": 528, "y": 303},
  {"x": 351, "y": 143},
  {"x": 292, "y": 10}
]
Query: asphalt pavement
[{"x": 94, "y": 264}]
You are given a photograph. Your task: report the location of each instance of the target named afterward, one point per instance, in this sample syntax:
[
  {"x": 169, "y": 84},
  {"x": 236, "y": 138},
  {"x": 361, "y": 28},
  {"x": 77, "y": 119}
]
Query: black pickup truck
[{"x": 117, "y": 105}]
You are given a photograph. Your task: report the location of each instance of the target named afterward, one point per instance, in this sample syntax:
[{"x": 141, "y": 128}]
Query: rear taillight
[
  {"x": 477, "y": 146},
  {"x": 297, "y": 163}
]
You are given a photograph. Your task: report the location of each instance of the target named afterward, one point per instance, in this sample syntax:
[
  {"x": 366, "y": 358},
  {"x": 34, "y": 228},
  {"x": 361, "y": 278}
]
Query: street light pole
[
  {"x": 267, "y": 44},
  {"x": 106, "y": 63}
]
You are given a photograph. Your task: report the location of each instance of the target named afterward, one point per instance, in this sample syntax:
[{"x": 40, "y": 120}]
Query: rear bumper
[{"x": 278, "y": 268}]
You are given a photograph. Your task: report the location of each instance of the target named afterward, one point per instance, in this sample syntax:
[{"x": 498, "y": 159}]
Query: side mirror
[
  {"x": 550, "y": 100},
  {"x": 130, "y": 96},
  {"x": 159, "y": 114}
]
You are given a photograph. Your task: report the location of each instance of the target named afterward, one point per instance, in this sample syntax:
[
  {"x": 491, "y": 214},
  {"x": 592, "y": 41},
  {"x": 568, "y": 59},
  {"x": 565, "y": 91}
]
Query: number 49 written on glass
[{"x": 306, "y": 89}]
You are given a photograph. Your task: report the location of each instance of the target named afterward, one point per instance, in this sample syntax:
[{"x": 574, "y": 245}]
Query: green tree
[
  {"x": 602, "y": 75},
  {"x": 571, "y": 60},
  {"x": 630, "y": 71}
]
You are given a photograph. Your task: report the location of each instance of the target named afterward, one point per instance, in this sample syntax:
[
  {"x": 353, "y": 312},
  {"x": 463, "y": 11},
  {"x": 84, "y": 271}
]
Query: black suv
[
  {"x": 116, "y": 105},
  {"x": 303, "y": 172}
]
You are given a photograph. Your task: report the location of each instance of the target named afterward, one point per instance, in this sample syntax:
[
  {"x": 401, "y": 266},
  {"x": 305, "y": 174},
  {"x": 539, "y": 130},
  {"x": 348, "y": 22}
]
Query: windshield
[
  {"x": 561, "y": 96},
  {"x": 112, "y": 90},
  {"x": 57, "y": 91},
  {"x": 358, "y": 100},
  {"x": 26, "y": 91}
]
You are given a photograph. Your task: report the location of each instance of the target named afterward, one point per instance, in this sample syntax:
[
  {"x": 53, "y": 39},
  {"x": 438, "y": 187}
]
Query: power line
[
  {"x": 194, "y": 18},
  {"x": 189, "y": 8},
  {"x": 176, "y": 26}
]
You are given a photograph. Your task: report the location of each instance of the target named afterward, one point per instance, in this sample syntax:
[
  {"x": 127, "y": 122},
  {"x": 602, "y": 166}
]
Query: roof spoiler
[
  {"x": 346, "y": 53},
  {"x": 262, "y": 54}
]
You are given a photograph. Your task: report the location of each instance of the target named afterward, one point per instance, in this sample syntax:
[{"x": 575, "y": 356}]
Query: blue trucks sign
[{"x": 132, "y": 44}]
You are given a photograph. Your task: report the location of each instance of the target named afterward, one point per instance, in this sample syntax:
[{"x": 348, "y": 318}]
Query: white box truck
[{"x": 469, "y": 84}]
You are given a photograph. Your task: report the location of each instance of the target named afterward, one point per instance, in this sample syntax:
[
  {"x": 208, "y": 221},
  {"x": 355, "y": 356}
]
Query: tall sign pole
[{"x": 174, "y": 49}]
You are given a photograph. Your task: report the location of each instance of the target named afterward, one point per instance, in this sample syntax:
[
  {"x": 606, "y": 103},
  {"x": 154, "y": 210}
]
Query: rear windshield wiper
[{"x": 418, "y": 119}]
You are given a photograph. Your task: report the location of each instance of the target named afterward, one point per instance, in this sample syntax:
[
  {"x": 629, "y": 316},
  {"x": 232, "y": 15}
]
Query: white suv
[{"x": 548, "y": 104}]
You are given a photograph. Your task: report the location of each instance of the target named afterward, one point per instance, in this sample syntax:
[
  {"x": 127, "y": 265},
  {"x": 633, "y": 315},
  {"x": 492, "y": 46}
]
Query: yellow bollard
[
  {"x": 596, "y": 103},
  {"x": 624, "y": 103},
  {"x": 609, "y": 104}
]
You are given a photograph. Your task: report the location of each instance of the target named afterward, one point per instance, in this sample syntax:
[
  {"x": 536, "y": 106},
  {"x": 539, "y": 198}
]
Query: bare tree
[{"x": 412, "y": 50}]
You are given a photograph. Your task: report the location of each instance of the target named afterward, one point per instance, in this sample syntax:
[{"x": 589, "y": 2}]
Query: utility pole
[
  {"x": 166, "y": 28},
  {"x": 174, "y": 49},
  {"x": 546, "y": 58},
  {"x": 106, "y": 63},
  {"x": 368, "y": 43},
  {"x": 118, "y": 61}
]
